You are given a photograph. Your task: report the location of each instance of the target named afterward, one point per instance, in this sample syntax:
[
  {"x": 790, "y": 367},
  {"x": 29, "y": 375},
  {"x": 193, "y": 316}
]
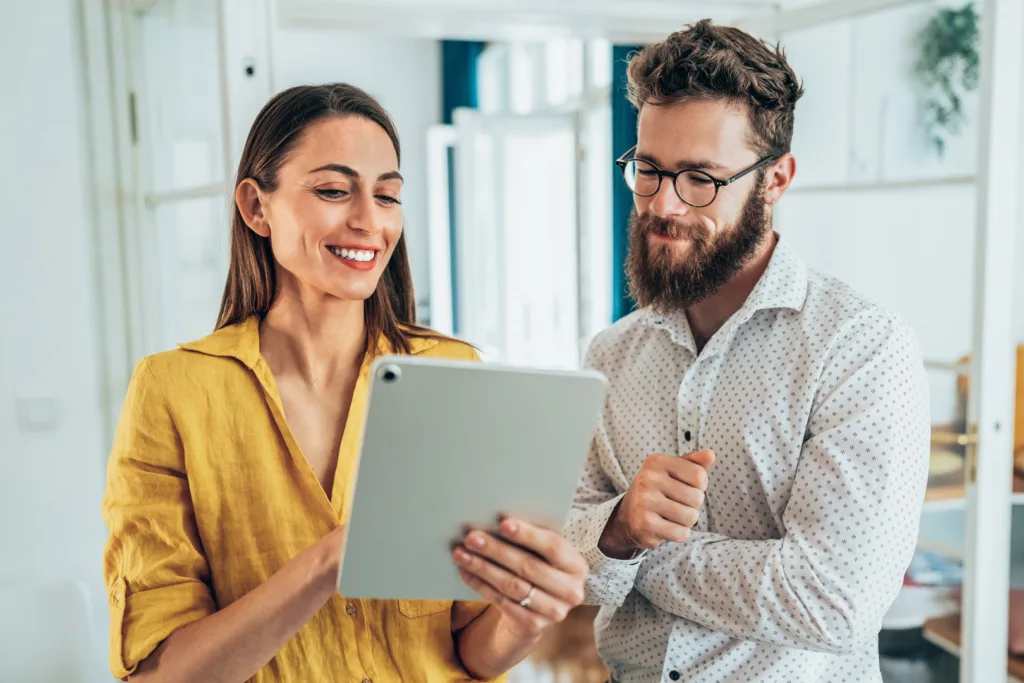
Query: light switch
[{"x": 37, "y": 413}]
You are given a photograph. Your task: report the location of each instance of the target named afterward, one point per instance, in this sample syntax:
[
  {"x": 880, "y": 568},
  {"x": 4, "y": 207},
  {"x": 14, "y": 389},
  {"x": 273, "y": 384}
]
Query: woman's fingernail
[
  {"x": 460, "y": 555},
  {"x": 477, "y": 540},
  {"x": 510, "y": 527}
]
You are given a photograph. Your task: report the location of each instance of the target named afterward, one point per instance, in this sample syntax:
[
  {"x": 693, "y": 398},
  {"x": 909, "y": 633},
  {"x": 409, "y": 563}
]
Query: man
[{"x": 810, "y": 401}]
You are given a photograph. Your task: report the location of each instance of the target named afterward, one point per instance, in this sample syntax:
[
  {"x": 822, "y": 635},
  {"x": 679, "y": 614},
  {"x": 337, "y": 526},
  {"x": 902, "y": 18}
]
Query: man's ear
[
  {"x": 780, "y": 175},
  {"x": 249, "y": 199}
]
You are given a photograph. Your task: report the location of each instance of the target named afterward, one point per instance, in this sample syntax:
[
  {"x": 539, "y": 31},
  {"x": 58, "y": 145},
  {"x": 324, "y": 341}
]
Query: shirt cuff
[{"x": 610, "y": 580}]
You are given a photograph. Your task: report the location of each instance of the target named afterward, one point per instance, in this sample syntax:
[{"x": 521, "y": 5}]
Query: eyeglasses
[{"x": 696, "y": 188}]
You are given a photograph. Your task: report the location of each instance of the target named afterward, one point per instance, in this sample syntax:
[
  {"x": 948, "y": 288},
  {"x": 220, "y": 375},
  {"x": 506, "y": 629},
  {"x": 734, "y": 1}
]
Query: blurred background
[{"x": 121, "y": 123}]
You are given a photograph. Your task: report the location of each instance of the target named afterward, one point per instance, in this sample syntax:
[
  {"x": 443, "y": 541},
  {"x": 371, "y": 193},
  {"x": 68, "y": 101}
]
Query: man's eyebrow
[{"x": 694, "y": 164}]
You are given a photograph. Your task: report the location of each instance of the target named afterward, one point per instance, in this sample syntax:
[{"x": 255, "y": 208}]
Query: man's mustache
[{"x": 671, "y": 228}]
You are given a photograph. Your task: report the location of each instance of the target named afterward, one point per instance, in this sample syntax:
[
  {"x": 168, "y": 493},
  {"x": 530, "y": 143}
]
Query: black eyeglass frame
[{"x": 622, "y": 161}]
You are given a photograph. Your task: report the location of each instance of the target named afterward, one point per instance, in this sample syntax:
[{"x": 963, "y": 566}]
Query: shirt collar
[
  {"x": 782, "y": 285},
  {"x": 242, "y": 342}
]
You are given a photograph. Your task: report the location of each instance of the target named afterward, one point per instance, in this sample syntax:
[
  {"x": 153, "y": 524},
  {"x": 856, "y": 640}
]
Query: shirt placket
[
  {"x": 689, "y": 407},
  {"x": 688, "y": 411}
]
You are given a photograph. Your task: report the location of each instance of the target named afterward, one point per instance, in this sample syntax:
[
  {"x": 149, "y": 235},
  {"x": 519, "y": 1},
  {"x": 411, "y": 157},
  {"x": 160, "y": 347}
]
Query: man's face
[{"x": 678, "y": 254}]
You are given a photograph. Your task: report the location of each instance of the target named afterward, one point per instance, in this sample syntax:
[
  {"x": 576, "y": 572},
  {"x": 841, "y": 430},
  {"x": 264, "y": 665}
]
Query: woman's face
[{"x": 336, "y": 215}]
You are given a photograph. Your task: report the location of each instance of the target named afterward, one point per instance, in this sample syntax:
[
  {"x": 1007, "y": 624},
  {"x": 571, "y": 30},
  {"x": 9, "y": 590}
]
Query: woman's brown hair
[{"x": 251, "y": 283}]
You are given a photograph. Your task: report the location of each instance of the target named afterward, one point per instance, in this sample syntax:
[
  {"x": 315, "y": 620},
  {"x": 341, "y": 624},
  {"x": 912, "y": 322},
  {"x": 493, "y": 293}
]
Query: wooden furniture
[
  {"x": 568, "y": 651},
  {"x": 945, "y": 633}
]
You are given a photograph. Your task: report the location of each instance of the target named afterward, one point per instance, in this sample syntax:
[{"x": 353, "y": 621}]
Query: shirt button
[
  {"x": 367, "y": 680},
  {"x": 674, "y": 675},
  {"x": 686, "y": 435},
  {"x": 351, "y": 609}
]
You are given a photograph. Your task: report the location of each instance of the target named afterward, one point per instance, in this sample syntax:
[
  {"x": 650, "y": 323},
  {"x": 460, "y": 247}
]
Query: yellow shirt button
[{"x": 351, "y": 609}]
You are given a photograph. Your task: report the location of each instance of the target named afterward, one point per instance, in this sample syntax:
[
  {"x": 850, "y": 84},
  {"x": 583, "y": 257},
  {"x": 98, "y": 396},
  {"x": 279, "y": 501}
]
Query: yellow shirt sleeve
[{"x": 156, "y": 574}]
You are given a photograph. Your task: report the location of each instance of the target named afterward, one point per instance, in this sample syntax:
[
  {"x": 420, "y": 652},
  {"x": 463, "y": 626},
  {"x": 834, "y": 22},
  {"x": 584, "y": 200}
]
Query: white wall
[
  {"x": 404, "y": 74},
  {"x": 52, "y": 471},
  {"x": 51, "y": 480},
  {"x": 860, "y": 122}
]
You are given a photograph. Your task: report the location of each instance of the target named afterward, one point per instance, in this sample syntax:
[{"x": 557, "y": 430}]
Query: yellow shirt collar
[{"x": 242, "y": 342}]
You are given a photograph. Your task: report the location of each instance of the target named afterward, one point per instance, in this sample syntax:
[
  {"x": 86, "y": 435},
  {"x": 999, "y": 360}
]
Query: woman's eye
[
  {"x": 331, "y": 194},
  {"x": 389, "y": 200}
]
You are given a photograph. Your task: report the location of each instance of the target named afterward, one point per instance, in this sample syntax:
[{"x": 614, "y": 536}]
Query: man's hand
[{"x": 662, "y": 504}]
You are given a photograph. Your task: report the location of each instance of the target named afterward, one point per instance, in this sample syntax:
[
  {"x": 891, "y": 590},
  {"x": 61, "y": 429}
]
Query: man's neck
[{"x": 706, "y": 317}]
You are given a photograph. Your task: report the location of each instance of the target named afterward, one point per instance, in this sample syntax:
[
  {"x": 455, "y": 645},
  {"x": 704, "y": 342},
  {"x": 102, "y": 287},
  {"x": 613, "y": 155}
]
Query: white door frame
[
  {"x": 124, "y": 245},
  {"x": 990, "y": 409}
]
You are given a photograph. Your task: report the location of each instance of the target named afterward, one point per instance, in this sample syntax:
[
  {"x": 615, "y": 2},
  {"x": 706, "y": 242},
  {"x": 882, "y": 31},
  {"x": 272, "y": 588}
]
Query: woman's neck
[{"x": 322, "y": 340}]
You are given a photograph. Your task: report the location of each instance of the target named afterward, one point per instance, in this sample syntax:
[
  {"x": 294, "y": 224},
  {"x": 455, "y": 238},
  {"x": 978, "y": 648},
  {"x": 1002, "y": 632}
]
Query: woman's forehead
[{"x": 350, "y": 141}]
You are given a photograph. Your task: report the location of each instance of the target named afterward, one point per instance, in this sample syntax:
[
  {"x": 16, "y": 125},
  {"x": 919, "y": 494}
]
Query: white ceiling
[
  {"x": 623, "y": 21},
  {"x": 620, "y": 20}
]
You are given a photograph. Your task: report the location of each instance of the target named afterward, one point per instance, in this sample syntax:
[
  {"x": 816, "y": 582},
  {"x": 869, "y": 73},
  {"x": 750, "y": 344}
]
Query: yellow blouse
[{"x": 208, "y": 495}]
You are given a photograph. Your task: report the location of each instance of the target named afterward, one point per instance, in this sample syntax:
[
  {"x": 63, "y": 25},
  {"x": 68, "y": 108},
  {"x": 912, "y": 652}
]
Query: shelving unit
[
  {"x": 954, "y": 497},
  {"x": 950, "y": 492},
  {"x": 945, "y": 633}
]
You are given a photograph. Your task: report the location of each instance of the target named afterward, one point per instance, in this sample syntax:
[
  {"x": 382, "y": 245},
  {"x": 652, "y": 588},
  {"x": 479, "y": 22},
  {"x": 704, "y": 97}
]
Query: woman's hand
[
  {"x": 531, "y": 574},
  {"x": 323, "y": 560}
]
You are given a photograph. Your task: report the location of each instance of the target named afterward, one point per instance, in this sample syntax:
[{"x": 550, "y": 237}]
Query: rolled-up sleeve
[{"x": 156, "y": 574}]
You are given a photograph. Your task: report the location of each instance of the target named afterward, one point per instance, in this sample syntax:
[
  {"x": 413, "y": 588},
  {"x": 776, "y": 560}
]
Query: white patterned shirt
[{"x": 815, "y": 402}]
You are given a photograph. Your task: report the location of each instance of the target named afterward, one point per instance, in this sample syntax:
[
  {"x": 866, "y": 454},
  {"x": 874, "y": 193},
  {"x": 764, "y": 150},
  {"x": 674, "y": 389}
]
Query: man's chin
[{"x": 669, "y": 257}]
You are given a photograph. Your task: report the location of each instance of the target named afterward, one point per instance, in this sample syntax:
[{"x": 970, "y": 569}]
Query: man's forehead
[{"x": 671, "y": 134}]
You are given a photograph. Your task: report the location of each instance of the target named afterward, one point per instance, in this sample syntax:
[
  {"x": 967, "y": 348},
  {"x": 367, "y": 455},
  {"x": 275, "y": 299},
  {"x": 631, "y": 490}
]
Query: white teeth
[{"x": 353, "y": 254}]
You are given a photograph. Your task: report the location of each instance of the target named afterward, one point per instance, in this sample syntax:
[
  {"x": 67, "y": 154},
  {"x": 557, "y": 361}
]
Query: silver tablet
[{"x": 452, "y": 443}]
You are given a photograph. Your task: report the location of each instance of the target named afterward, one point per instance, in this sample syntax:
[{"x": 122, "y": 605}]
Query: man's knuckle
[{"x": 647, "y": 521}]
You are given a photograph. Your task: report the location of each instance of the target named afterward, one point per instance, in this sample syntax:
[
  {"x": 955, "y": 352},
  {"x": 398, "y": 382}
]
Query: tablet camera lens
[{"x": 390, "y": 374}]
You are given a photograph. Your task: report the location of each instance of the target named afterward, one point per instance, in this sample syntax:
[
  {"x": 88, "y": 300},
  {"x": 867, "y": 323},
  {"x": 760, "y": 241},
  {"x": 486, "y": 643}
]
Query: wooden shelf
[
  {"x": 940, "y": 496},
  {"x": 945, "y": 633}
]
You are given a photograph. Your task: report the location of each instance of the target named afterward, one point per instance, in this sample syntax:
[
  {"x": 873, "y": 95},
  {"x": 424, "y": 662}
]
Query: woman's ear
[{"x": 249, "y": 199}]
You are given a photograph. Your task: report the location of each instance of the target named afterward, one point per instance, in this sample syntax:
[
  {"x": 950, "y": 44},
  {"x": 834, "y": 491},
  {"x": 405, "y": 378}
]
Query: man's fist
[{"x": 662, "y": 504}]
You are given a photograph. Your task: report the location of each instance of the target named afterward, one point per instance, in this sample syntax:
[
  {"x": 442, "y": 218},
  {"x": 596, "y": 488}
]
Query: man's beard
[{"x": 658, "y": 280}]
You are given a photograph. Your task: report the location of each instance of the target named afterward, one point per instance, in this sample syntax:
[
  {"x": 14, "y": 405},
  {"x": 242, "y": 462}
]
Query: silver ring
[{"x": 525, "y": 602}]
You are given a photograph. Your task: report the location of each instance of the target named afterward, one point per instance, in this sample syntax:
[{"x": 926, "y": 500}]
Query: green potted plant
[{"x": 947, "y": 67}]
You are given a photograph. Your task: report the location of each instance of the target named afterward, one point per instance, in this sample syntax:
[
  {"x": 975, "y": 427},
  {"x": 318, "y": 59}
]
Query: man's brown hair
[{"x": 705, "y": 61}]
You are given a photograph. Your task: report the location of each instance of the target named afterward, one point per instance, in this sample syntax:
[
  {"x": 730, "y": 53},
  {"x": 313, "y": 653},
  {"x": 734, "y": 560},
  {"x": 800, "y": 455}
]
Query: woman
[{"x": 232, "y": 466}]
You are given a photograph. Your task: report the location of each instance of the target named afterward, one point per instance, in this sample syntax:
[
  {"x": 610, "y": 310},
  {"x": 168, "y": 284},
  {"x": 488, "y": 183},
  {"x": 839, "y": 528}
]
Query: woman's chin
[{"x": 352, "y": 291}]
